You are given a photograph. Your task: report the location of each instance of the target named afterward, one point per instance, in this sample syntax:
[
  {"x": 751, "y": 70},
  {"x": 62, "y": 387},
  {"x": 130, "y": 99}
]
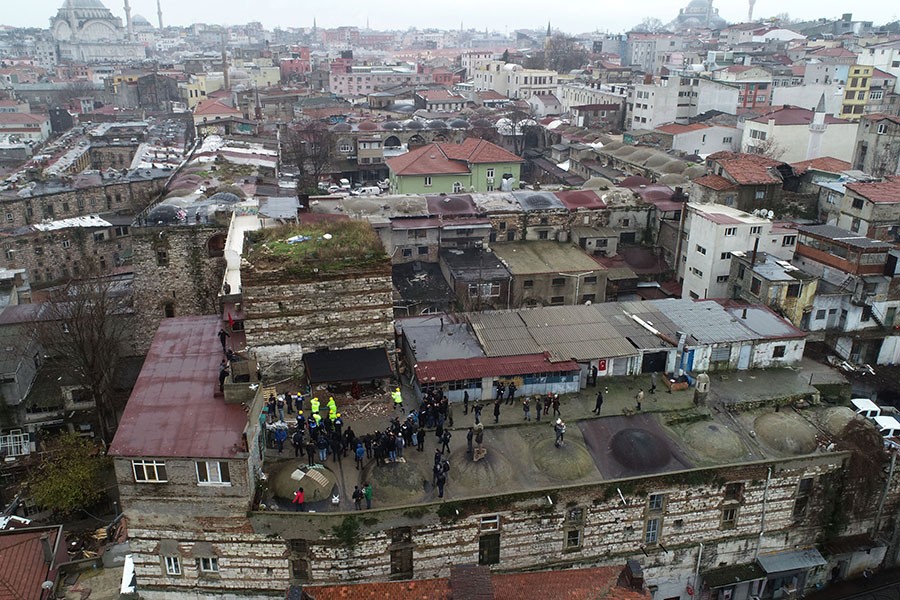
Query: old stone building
[
  {"x": 303, "y": 291},
  {"x": 56, "y": 250},
  {"x": 178, "y": 272},
  {"x": 694, "y": 497}
]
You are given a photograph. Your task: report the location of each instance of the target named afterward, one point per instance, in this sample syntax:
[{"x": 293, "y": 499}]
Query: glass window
[
  {"x": 173, "y": 565},
  {"x": 149, "y": 471},
  {"x": 213, "y": 473},
  {"x": 208, "y": 564},
  {"x": 656, "y": 502},
  {"x": 651, "y": 535}
]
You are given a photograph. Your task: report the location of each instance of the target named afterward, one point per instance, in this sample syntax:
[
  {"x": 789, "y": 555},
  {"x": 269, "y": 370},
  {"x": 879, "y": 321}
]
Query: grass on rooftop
[{"x": 353, "y": 245}]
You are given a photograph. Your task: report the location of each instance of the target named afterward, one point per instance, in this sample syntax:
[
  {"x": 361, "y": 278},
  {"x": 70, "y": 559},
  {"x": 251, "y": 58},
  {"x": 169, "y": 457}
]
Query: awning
[
  {"x": 790, "y": 560},
  {"x": 733, "y": 575},
  {"x": 352, "y": 364}
]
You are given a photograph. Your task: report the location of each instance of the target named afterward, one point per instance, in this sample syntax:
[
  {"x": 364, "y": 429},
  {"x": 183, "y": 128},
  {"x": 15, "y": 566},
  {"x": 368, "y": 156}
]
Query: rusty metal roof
[{"x": 173, "y": 410}]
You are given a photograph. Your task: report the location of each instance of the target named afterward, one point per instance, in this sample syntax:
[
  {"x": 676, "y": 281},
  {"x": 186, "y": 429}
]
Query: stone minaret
[
  {"x": 159, "y": 14},
  {"x": 750, "y": 11},
  {"x": 128, "y": 24},
  {"x": 816, "y": 130}
]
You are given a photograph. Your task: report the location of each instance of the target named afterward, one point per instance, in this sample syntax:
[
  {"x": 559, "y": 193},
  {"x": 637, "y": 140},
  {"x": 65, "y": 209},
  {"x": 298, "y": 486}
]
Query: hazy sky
[{"x": 575, "y": 16}]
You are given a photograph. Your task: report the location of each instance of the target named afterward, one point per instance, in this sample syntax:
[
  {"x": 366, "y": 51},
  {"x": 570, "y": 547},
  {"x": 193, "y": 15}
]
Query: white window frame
[
  {"x": 457, "y": 187},
  {"x": 428, "y": 182},
  {"x": 208, "y": 564},
  {"x": 147, "y": 466},
  {"x": 209, "y": 472},
  {"x": 882, "y": 129},
  {"x": 489, "y": 523},
  {"x": 730, "y": 231},
  {"x": 490, "y": 173},
  {"x": 173, "y": 565}
]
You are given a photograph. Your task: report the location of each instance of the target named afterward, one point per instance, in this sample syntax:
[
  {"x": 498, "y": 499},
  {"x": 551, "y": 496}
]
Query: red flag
[{"x": 230, "y": 321}]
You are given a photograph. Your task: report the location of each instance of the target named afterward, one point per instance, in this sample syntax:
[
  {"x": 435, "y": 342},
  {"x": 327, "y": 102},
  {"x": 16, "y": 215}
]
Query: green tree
[{"x": 71, "y": 475}]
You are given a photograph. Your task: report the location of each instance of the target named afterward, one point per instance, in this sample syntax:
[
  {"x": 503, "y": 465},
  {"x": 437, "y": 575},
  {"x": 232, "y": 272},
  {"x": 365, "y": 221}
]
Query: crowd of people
[{"x": 318, "y": 432}]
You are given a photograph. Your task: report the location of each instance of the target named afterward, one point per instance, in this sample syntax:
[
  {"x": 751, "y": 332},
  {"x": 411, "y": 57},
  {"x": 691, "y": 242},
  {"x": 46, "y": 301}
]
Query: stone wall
[
  {"x": 533, "y": 526},
  {"x": 350, "y": 310},
  {"x": 52, "y": 256},
  {"x": 129, "y": 196},
  {"x": 270, "y": 550},
  {"x": 175, "y": 275}
]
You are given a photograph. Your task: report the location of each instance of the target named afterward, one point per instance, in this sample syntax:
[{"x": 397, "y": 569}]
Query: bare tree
[
  {"x": 521, "y": 129},
  {"x": 563, "y": 53},
  {"x": 84, "y": 327},
  {"x": 310, "y": 148},
  {"x": 649, "y": 25},
  {"x": 768, "y": 148}
]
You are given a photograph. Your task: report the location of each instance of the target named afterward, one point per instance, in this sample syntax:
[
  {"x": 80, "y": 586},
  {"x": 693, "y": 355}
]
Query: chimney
[
  {"x": 48, "y": 551},
  {"x": 633, "y": 575}
]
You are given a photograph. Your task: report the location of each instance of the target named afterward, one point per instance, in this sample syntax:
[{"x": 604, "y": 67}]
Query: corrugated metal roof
[
  {"x": 790, "y": 560},
  {"x": 510, "y": 347},
  {"x": 180, "y": 377},
  {"x": 567, "y": 332}
]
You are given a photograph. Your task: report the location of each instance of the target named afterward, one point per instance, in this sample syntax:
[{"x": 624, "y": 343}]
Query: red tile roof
[
  {"x": 886, "y": 191},
  {"x": 491, "y": 95},
  {"x": 427, "y": 160},
  {"x": 676, "y": 128},
  {"x": 827, "y": 164},
  {"x": 17, "y": 118},
  {"x": 478, "y": 151},
  {"x": 419, "y": 589},
  {"x": 474, "y": 368},
  {"x": 794, "y": 115},
  {"x": 747, "y": 169},
  {"x": 714, "y": 182},
  {"x": 438, "y": 95},
  {"x": 601, "y": 583},
  {"x": 440, "y": 158},
  {"x": 173, "y": 410},
  {"x": 875, "y": 117},
  {"x": 22, "y": 565},
  {"x": 215, "y": 107}
]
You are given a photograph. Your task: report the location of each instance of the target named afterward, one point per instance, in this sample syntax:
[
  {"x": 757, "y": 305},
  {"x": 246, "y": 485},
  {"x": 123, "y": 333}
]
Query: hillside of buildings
[{"x": 330, "y": 312}]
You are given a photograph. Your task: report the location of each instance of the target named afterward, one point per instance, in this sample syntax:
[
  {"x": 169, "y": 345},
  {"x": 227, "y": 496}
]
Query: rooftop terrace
[{"x": 316, "y": 249}]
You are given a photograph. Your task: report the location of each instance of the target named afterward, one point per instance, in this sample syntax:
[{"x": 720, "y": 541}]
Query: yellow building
[{"x": 856, "y": 92}]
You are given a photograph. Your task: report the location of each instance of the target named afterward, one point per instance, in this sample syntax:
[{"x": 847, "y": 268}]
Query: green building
[{"x": 475, "y": 165}]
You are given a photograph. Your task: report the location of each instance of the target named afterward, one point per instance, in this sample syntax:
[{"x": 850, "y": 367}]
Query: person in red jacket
[{"x": 299, "y": 500}]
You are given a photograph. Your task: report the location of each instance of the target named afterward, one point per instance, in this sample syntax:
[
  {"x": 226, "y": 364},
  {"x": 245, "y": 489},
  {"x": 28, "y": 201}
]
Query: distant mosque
[
  {"x": 87, "y": 31},
  {"x": 699, "y": 14}
]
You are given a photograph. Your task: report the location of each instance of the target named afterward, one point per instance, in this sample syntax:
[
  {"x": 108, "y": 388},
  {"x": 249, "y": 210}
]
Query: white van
[
  {"x": 866, "y": 408},
  {"x": 370, "y": 190}
]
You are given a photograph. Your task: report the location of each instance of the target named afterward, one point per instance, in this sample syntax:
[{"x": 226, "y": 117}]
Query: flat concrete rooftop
[{"x": 669, "y": 434}]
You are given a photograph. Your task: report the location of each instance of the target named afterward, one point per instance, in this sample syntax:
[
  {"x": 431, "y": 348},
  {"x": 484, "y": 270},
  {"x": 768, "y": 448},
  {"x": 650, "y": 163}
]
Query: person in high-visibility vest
[
  {"x": 314, "y": 406},
  {"x": 332, "y": 408},
  {"x": 398, "y": 399}
]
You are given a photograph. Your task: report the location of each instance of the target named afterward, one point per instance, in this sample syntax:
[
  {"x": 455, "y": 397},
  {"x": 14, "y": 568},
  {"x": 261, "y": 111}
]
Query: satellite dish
[
  {"x": 770, "y": 215},
  {"x": 587, "y": 303},
  {"x": 47, "y": 585}
]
